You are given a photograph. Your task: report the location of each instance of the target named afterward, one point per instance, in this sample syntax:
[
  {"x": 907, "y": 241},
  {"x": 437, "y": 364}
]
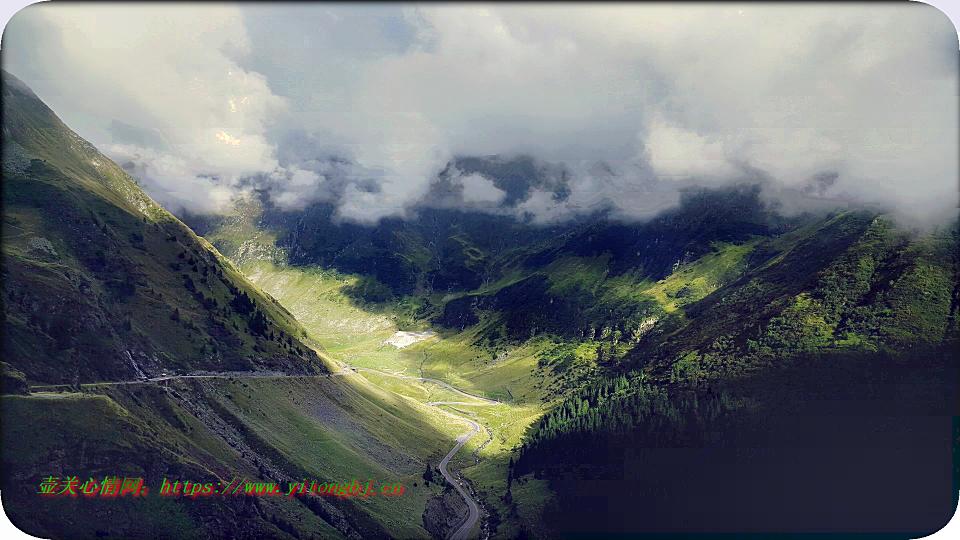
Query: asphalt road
[
  {"x": 216, "y": 375},
  {"x": 464, "y": 530},
  {"x": 441, "y": 383},
  {"x": 460, "y": 533}
]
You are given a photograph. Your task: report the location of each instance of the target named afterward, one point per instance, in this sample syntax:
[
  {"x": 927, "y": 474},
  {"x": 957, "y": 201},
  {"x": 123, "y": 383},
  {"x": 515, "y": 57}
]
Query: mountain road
[{"x": 461, "y": 533}]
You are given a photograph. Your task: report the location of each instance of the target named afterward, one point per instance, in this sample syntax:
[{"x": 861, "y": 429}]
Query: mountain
[
  {"x": 133, "y": 349},
  {"x": 101, "y": 283},
  {"x": 813, "y": 393},
  {"x": 598, "y": 275},
  {"x": 685, "y": 362}
]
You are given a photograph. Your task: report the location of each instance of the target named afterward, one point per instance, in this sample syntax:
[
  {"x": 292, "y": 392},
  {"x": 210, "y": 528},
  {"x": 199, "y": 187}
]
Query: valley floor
[{"x": 502, "y": 394}]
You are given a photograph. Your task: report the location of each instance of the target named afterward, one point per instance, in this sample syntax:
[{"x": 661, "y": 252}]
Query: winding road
[
  {"x": 461, "y": 533},
  {"x": 441, "y": 383},
  {"x": 464, "y": 530}
]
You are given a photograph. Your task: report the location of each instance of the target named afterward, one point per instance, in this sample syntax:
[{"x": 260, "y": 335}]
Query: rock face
[
  {"x": 42, "y": 246},
  {"x": 444, "y": 513}
]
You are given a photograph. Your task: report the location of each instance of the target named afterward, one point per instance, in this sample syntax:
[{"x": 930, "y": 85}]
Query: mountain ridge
[{"x": 76, "y": 223}]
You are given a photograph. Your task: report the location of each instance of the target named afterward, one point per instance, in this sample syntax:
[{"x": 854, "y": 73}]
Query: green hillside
[
  {"x": 328, "y": 430},
  {"x": 101, "y": 283},
  {"x": 104, "y": 289},
  {"x": 831, "y": 366}
]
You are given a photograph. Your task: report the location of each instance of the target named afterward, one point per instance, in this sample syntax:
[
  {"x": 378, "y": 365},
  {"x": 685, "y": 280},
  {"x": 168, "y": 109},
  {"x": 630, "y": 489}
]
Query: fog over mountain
[{"x": 380, "y": 108}]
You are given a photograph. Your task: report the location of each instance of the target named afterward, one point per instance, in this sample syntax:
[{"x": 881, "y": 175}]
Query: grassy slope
[
  {"x": 854, "y": 283},
  {"x": 87, "y": 208},
  {"x": 326, "y": 429},
  {"x": 340, "y": 429},
  {"x": 94, "y": 270},
  {"x": 91, "y": 436}
]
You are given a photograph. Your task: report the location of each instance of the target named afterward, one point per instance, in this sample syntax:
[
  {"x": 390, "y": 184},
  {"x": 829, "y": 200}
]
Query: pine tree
[{"x": 428, "y": 474}]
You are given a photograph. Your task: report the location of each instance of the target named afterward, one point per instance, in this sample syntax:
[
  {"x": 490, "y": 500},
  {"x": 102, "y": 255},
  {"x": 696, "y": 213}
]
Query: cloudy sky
[{"x": 365, "y": 104}]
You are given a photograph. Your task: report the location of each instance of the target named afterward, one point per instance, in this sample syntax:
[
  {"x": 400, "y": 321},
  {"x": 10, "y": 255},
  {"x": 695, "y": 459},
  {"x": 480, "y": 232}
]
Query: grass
[
  {"x": 421, "y": 391},
  {"x": 354, "y": 333},
  {"x": 76, "y": 425},
  {"x": 327, "y": 429},
  {"x": 339, "y": 429},
  {"x": 532, "y": 496},
  {"x": 693, "y": 281},
  {"x": 317, "y": 300}
]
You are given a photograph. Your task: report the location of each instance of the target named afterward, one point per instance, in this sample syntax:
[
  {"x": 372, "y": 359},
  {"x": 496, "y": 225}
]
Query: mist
[{"x": 614, "y": 106}]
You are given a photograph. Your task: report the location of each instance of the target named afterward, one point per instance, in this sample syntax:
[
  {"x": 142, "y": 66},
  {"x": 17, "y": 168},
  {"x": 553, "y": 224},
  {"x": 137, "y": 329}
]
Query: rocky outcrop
[
  {"x": 12, "y": 381},
  {"x": 444, "y": 513}
]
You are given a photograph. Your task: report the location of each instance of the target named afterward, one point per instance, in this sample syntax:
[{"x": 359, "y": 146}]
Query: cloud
[
  {"x": 618, "y": 106},
  {"x": 629, "y": 190},
  {"x": 455, "y": 188},
  {"x": 173, "y": 73},
  {"x": 675, "y": 152},
  {"x": 480, "y": 190}
]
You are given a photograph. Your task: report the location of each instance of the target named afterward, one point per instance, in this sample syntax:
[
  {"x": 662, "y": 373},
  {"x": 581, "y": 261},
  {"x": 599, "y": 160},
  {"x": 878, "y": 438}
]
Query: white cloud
[
  {"x": 403, "y": 149},
  {"x": 663, "y": 95},
  {"x": 480, "y": 190},
  {"x": 675, "y": 152},
  {"x": 169, "y": 70}
]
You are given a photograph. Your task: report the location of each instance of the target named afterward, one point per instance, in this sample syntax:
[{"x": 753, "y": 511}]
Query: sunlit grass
[
  {"x": 341, "y": 428},
  {"x": 702, "y": 276},
  {"x": 355, "y": 333}
]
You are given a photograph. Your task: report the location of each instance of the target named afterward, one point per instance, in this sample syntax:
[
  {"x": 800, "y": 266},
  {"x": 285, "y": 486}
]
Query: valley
[
  {"x": 443, "y": 371},
  {"x": 507, "y": 373},
  {"x": 490, "y": 346}
]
